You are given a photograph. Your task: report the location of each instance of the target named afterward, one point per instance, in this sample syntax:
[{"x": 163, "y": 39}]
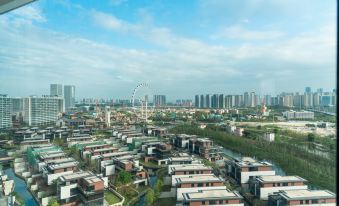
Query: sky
[{"x": 180, "y": 48}]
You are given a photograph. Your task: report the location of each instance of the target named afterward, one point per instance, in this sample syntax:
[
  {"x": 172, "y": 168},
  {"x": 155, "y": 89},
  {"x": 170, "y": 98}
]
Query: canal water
[{"x": 20, "y": 187}]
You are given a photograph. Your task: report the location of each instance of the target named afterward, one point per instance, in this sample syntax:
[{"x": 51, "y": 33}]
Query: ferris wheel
[{"x": 141, "y": 101}]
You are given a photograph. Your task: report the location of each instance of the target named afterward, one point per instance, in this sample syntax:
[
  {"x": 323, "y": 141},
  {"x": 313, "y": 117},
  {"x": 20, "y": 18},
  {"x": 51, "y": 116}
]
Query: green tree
[
  {"x": 259, "y": 127},
  {"x": 275, "y": 130},
  {"x": 158, "y": 187},
  {"x": 150, "y": 198},
  {"x": 310, "y": 137},
  {"x": 53, "y": 202},
  {"x": 124, "y": 177}
]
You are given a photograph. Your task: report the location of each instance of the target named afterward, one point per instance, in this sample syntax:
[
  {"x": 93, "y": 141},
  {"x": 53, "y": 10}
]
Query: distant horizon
[{"x": 168, "y": 98}]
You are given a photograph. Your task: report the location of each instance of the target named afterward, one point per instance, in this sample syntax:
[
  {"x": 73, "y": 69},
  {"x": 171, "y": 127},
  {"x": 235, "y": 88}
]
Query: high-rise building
[
  {"x": 215, "y": 101},
  {"x": 308, "y": 100},
  {"x": 42, "y": 110},
  {"x": 239, "y": 101},
  {"x": 196, "y": 102},
  {"x": 159, "y": 100},
  {"x": 253, "y": 99},
  {"x": 334, "y": 99},
  {"x": 326, "y": 99},
  {"x": 320, "y": 90},
  {"x": 202, "y": 101},
  {"x": 298, "y": 100},
  {"x": 208, "y": 101},
  {"x": 17, "y": 104},
  {"x": 228, "y": 101},
  {"x": 221, "y": 101},
  {"x": 247, "y": 101},
  {"x": 69, "y": 95},
  {"x": 5, "y": 112},
  {"x": 56, "y": 89},
  {"x": 267, "y": 100},
  {"x": 316, "y": 99},
  {"x": 308, "y": 90}
]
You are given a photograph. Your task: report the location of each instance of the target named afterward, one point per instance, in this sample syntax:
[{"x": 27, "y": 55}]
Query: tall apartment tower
[
  {"x": 159, "y": 100},
  {"x": 253, "y": 99},
  {"x": 196, "y": 102},
  {"x": 221, "y": 101},
  {"x": 56, "y": 89},
  {"x": 308, "y": 90},
  {"x": 42, "y": 110},
  {"x": 69, "y": 95},
  {"x": 247, "y": 101},
  {"x": 5, "y": 112},
  {"x": 202, "y": 101},
  {"x": 208, "y": 101},
  {"x": 215, "y": 101}
]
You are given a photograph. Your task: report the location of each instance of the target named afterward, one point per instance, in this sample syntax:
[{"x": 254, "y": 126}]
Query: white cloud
[
  {"x": 238, "y": 32},
  {"x": 32, "y": 13},
  {"x": 182, "y": 65}
]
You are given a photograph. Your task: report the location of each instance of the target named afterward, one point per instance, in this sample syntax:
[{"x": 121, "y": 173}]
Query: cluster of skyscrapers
[
  {"x": 36, "y": 110},
  {"x": 159, "y": 100},
  {"x": 308, "y": 99}
]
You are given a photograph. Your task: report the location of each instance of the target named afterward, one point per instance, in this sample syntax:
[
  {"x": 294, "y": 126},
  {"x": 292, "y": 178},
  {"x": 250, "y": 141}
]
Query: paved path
[{"x": 168, "y": 194}]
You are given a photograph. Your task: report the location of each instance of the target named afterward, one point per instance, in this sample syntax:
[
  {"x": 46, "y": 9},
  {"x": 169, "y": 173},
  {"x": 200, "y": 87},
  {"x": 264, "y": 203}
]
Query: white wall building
[
  {"x": 5, "y": 112},
  {"x": 42, "y": 110}
]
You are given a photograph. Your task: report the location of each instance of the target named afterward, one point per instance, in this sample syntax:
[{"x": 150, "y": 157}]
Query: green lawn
[{"x": 111, "y": 198}]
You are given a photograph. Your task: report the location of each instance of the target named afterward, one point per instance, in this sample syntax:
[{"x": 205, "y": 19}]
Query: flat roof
[
  {"x": 67, "y": 159},
  {"x": 210, "y": 194},
  {"x": 189, "y": 167},
  {"x": 250, "y": 162},
  {"x": 51, "y": 155},
  {"x": 55, "y": 166},
  {"x": 92, "y": 179},
  {"x": 306, "y": 194},
  {"x": 187, "y": 158},
  {"x": 105, "y": 149},
  {"x": 75, "y": 175},
  {"x": 95, "y": 145},
  {"x": 198, "y": 178},
  {"x": 279, "y": 178},
  {"x": 204, "y": 140},
  {"x": 113, "y": 154},
  {"x": 36, "y": 140},
  {"x": 125, "y": 157}
]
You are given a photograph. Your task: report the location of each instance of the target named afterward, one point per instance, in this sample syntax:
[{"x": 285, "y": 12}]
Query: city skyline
[{"x": 108, "y": 48}]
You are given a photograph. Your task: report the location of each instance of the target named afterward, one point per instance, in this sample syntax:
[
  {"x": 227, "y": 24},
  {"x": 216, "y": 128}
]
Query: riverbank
[
  {"x": 21, "y": 187},
  {"x": 317, "y": 170}
]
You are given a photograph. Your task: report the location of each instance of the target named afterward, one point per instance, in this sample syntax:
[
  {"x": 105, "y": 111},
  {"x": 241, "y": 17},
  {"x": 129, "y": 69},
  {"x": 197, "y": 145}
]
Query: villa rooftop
[
  {"x": 210, "y": 194},
  {"x": 190, "y": 167},
  {"x": 306, "y": 194},
  {"x": 198, "y": 178},
  {"x": 278, "y": 178},
  {"x": 62, "y": 165},
  {"x": 75, "y": 175}
]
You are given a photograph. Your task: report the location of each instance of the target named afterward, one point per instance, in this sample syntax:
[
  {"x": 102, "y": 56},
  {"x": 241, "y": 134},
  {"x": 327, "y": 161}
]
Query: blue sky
[{"x": 181, "y": 48}]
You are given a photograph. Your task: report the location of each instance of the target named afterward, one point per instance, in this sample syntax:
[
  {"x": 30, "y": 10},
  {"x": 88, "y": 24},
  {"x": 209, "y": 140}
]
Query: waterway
[{"x": 20, "y": 187}]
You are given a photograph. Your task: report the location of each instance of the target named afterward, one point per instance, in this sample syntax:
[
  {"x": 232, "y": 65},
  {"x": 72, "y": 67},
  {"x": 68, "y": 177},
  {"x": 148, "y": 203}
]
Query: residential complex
[
  {"x": 302, "y": 197},
  {"x": 56, "y": 89},
  {"x": 42, "y": 110},
  {"x": 5, "y": 112},
  {"x": 251, "y": 99},
  {"x": 159, "y": 100},
  {"x": 69, "y": 95}
]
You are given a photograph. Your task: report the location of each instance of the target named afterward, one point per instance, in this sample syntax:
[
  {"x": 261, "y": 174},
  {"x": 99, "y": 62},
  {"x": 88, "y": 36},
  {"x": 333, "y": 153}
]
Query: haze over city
[{"x": 107, "y": 48}]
